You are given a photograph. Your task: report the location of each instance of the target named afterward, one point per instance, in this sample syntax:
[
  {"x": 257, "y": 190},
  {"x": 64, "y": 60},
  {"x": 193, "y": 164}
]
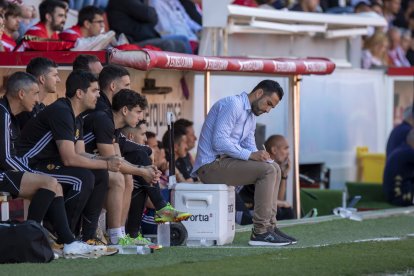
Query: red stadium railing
[{"x": 147, "y": 60}]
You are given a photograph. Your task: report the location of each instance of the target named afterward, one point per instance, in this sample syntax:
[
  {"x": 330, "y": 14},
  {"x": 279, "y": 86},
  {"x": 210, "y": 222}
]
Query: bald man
[{"x": 278, "y": 148}]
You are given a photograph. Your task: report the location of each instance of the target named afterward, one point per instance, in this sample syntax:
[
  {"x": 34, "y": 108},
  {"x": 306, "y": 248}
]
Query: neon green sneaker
[
  {"x": 169, "y": 214},
  {"x": 126, "y": 240},
  {"x": 140, "y": 240}
]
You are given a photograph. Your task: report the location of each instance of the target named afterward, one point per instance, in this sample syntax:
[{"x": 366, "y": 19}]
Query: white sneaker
[
  {"x": 79, "y": 249},
  {"x": 101, "y": 248}
]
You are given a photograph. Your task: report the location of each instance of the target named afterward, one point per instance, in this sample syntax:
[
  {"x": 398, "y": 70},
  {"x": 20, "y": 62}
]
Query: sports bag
[{"x": 24, "y": 242}]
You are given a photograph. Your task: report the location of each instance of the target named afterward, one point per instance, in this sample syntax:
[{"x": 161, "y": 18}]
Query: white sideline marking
[{"x": 386, "y": 239}]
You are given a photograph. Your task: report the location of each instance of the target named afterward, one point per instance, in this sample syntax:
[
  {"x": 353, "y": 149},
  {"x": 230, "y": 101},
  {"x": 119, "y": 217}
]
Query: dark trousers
[
  {"x": 402, "y": 193},
  {"x": 84, "y": 192},
  {"x": 142, "y": 190}
]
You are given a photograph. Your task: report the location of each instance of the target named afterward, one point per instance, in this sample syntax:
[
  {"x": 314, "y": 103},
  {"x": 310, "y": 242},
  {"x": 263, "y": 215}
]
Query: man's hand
[
  {"x": 260, "y": 155},
  {"x": 285, "y": 167},
  {"x": 114, "y": 163},
  {"x": 151, "y": 174}
]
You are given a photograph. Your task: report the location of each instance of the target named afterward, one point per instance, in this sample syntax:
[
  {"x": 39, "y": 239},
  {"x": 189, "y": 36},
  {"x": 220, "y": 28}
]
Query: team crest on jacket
[{"x": 50, "y": 167}]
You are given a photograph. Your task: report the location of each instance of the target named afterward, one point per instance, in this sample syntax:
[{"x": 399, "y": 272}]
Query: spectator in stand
[
  {"x": 174, "y": 22},
  {"x": 399, "y": 134},
  {"x": 1, "y": 33},
  {"x": 401, "y": 20},
  {"x": 410, "y": 52},
  {"x": 265, "y": 4},
  {"x": 406, "y": 41},
  {"x": 411, "y": 24},
  {"x": 361, "y": 7},
  {"x": 192, "y": 7},
  {"x": 185, "y": 164},
  {"x": 3, "y": 6},
  {"x": 247, "y": 3},
  {"x": 377, "y": 8},
  {"x": 375, "y": 50},
  {"x": 89, "y": 63},
  {"x": 52, "y": 20},
  {"x": 29, "y": 18},
  {"x": 89, "y": 33},
  {"x": 137, "y": 21},
  {"x": 396, "y": 53},
  {"x": 12, "y": 19},
  {"x": 390, "y": 10},
  {"x": 306, "y": 6}
]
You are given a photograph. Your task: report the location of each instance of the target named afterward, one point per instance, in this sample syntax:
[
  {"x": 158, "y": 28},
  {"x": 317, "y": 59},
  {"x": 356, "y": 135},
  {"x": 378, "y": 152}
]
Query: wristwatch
[{"x": 284, "y": 177}]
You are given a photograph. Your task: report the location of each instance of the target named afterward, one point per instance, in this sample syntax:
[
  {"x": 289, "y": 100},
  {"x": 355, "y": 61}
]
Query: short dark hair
[
  {"x": 48, "y": 7},
  {"x": 87, "y": 13},
  {"x": 18, "y": 81},
  {"x": 12, "y": 9},
  {"x": 78, "y": 80},
  {"x": 177, "y": 135},
  {"x": 110, "y": 73},
  {"x": 183, "y": 123},
  {"x": 150, "y": 134},
  {"x": 269, "y": 87},
  {"x": 361, "y": 4},
  {"x": 128, "y": 98},
  {"x": 81, "y": 62},
  {"x": 40, "y": 66},
  {"x": 4, "y": 4}
]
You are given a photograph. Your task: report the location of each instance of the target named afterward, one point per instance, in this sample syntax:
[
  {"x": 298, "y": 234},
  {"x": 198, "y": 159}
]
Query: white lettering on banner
[
  {"x": 251, "y": 65},
  {"x": 315, "y": 66},
  {"x": 215, "y": 64},
  {"x": 179, "y": 62},
  {"x": 284, "y": 66},
  {"x": 157, "y": 118}
]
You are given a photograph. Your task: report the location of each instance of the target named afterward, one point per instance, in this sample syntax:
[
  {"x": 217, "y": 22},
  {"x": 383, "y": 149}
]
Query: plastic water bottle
[
  {"x": 163, "y": 234},
  {"x": 144, "y": 250}
]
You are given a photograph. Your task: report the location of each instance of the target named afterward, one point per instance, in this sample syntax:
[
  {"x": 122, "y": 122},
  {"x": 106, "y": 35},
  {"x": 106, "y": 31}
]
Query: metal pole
[
  {"x": 296, "y": 136},
  {"x": 206, "y": 92},
  {"x": 170, "y": 124}
]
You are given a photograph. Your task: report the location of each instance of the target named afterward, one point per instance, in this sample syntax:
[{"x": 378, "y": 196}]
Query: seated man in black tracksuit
[
  {"x": 52, "y": 142},
  {"x": 47, "y": 75},
  {"x": 398, "y": 183},
  {"x": 101, "y": 134},
  {"x": 132, "y": 146},
  {"x": 43, "y": 191}
]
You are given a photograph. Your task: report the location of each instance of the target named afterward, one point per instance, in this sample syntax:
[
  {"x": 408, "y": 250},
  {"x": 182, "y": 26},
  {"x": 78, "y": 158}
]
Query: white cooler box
[{"x": 213, "y": 212}]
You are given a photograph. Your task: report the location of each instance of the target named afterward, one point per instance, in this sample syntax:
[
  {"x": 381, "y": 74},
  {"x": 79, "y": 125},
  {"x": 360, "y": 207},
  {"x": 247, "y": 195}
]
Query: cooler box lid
[{"x": 200, "y": 187}]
